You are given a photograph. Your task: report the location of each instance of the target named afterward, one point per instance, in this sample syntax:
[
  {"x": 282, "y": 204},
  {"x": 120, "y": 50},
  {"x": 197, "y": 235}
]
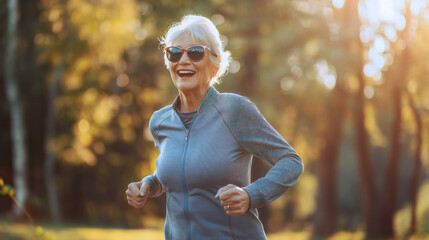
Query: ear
[{"x": 215, "y": 69}]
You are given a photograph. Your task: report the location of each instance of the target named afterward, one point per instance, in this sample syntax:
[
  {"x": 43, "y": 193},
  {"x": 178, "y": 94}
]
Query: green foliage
[
  {"x": 6, "y": 189},
  {"x": 41, "y": 234}
]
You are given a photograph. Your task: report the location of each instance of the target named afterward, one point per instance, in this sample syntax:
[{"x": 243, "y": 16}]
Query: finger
[
  {"x": 229, "y": 208},
  {"x": 231, "y": 201},
  {"x": 136, "y": 199},
  {"x": 136, "y": 204},
  {"x": 132, "y": 203},
  {"x": 134, "y": 188},
  {"x": 231, "y": 192},
  {"x": 232, "y": 207},
  {"x": 235, "y": 212},
  {"x": 144, "y": 189},
  {"x": 223, "y": 189},
  {"x": 131, "y": 194}
]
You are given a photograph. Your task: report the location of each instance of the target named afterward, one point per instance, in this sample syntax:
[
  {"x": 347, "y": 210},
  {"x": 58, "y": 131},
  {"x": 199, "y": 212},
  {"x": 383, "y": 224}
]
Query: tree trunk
[
  {"x": 18, "y": 130},
  {"x": 368, "y": 190},
  {"x": 392, "y": 176},
  {"x": 390, "y": 189},
  {"x": 49, "y": 168},
  {"x": 414, "y": 183},
  {"x": 368, "y": 187},
  {"x": 326, "y": 214},
  {"x": 50, "y": 138}
]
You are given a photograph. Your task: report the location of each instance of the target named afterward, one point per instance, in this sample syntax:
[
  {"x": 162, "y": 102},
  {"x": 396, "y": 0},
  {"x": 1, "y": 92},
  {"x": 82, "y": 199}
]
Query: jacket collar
[{"x": 208, "y": 99}]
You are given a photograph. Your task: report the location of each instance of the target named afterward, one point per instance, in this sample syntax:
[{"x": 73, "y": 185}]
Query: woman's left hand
[{"x": 235, "y": 200}]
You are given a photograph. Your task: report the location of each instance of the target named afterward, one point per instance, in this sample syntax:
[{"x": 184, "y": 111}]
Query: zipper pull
[{"x": 187, "y": 131}]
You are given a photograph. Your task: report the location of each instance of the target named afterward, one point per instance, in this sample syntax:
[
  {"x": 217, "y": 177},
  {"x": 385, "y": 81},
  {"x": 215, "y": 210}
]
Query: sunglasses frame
[{"x": 186, "y": 50}]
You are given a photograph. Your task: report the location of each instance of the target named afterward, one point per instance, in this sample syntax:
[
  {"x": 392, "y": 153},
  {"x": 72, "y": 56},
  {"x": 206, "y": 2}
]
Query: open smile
[{"x": 185, "y": 73}]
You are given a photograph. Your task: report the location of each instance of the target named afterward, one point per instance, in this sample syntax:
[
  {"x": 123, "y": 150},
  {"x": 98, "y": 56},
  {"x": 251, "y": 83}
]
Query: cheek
[{"x": 172, "y": 70}]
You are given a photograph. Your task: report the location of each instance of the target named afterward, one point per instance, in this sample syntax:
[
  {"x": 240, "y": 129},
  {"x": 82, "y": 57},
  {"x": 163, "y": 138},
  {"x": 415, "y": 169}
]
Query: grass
[{"x": 20, "y": 231}]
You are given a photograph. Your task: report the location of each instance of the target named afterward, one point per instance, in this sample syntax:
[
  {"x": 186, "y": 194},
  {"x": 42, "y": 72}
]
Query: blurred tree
[
  {"x": 49, "y": 164},
  {"x": 15, "y": 101},
  {"x": 368, "y": 187},
  {"x": 415, "y": 96},
  {"x": 391, "y": 181},
  {"x": 326, "y": 216},
  {"x": 414, "y": 182}
]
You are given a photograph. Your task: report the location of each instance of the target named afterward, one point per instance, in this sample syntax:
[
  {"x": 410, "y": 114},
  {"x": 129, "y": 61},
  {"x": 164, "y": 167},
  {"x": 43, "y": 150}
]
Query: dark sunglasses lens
[
  {"x": 174, "y": 54},
  {"x": 196, "y": 53}
]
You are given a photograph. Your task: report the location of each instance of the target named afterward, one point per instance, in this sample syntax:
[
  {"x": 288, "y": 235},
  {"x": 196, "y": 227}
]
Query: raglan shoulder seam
[
  {"x": 237, "y": 101},
  {"x": 158, "y": 117}
]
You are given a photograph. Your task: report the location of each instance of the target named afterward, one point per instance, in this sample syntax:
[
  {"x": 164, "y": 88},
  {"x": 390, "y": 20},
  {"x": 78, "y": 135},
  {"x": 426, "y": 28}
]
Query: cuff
[
  {"x": 257, "y": 198},
  {"x": 153, "y": 182}
]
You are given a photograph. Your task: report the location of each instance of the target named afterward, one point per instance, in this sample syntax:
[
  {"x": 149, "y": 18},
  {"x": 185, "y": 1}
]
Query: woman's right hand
[{"x": 137, "y": 194}]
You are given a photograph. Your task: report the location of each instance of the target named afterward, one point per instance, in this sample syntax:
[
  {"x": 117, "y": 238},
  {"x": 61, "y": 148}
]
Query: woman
[{"x": 206, "y": 141}]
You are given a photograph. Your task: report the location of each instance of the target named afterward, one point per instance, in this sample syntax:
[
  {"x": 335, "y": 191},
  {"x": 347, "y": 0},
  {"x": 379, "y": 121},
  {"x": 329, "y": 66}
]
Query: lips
[{"x": 185, "y": 73}]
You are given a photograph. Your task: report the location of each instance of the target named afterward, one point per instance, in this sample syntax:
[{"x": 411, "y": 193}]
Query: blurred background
[{"x": 345, "y": 82}]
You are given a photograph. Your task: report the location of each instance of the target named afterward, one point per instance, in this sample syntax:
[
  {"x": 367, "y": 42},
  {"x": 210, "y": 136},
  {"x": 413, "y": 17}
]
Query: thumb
[
  {"x": 144, "y": 189},
  {"x": 223, "y": 189}
]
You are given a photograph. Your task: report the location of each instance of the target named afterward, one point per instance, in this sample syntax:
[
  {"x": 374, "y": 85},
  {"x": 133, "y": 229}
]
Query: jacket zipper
[{"x": 185, "y": 187}]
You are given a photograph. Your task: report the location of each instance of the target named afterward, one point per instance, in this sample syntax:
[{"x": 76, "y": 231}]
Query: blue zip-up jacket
[{"x": 217, "y": 150}]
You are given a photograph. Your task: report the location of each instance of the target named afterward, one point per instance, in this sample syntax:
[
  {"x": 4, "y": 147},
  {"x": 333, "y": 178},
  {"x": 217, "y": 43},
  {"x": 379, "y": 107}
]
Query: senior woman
[{"x": 206, "y": 141}]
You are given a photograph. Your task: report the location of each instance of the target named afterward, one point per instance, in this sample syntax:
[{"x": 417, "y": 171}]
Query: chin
[{"x": 186, "y": 86}]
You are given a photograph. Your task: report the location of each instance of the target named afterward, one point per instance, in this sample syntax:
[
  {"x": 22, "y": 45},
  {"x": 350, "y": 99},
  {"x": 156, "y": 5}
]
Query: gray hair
[{"x": 201, "y": 29}]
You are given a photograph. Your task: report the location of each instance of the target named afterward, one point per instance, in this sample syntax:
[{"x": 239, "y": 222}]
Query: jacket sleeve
[
  {"x": 258, "y": 137},
  {"x": 155, "y": 185}
]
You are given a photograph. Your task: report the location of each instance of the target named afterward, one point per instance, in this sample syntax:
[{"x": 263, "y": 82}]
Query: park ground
[{"x": 18, "y": 231}]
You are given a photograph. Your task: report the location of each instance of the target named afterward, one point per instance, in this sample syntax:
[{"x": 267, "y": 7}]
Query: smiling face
[{"x": 189, "y": 75}]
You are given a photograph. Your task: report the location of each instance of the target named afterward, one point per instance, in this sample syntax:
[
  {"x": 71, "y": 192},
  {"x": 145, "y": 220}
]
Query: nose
[{"x": 184, "y": 59}]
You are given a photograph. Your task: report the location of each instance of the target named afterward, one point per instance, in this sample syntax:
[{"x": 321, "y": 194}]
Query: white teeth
[{"x": 186, "y": 72}]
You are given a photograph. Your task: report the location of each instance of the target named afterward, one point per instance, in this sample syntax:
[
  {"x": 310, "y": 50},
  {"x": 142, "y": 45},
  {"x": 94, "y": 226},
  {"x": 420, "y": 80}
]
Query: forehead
[{"x": 185, "y": 41}]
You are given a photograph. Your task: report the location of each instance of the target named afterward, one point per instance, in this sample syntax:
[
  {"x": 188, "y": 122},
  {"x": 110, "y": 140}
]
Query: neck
[{"x": 190, "y": 101}]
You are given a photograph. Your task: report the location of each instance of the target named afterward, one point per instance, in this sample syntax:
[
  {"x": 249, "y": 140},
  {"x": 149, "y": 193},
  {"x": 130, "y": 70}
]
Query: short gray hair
[{"x": 201, "y": 29}]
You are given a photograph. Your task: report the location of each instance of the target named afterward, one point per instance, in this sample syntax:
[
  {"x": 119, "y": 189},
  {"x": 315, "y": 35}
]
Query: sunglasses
[{"x": 195, "y": 53}]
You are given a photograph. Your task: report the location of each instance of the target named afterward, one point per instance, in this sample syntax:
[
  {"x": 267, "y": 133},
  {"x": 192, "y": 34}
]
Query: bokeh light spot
[
  {"x": 83, "y": 125},
  {"x": 338, "y": 3},
  {"x": 217, "y": 19},
  {"x": 234, "y": 67},
  {"x": 122, "y": 80},
  {"x": 368, "y": 92}
]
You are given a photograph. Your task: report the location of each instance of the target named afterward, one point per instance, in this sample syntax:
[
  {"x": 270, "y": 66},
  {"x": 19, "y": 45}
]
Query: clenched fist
[
  {"x": 235, "y": 200},
  {"x": 137, "y": 194}
]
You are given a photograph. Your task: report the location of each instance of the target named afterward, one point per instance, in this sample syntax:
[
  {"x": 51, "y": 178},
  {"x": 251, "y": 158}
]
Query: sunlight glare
[
  {"x": 390, "y": 33},
  {"x": 379, "y": 61},
  {"x": 416, "y": 6},
  {"x": 366, "y": 34},
  {"x": 386, "y": 10},
  {"x": 379, "y": 44},
  {"x": 338, "y": 3},
  {"x": 329, "y": 81},
  {"x": 326, "y": 74},
  {"x": 369, "y": 70},
  {"x": 400, "y": 22}
]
